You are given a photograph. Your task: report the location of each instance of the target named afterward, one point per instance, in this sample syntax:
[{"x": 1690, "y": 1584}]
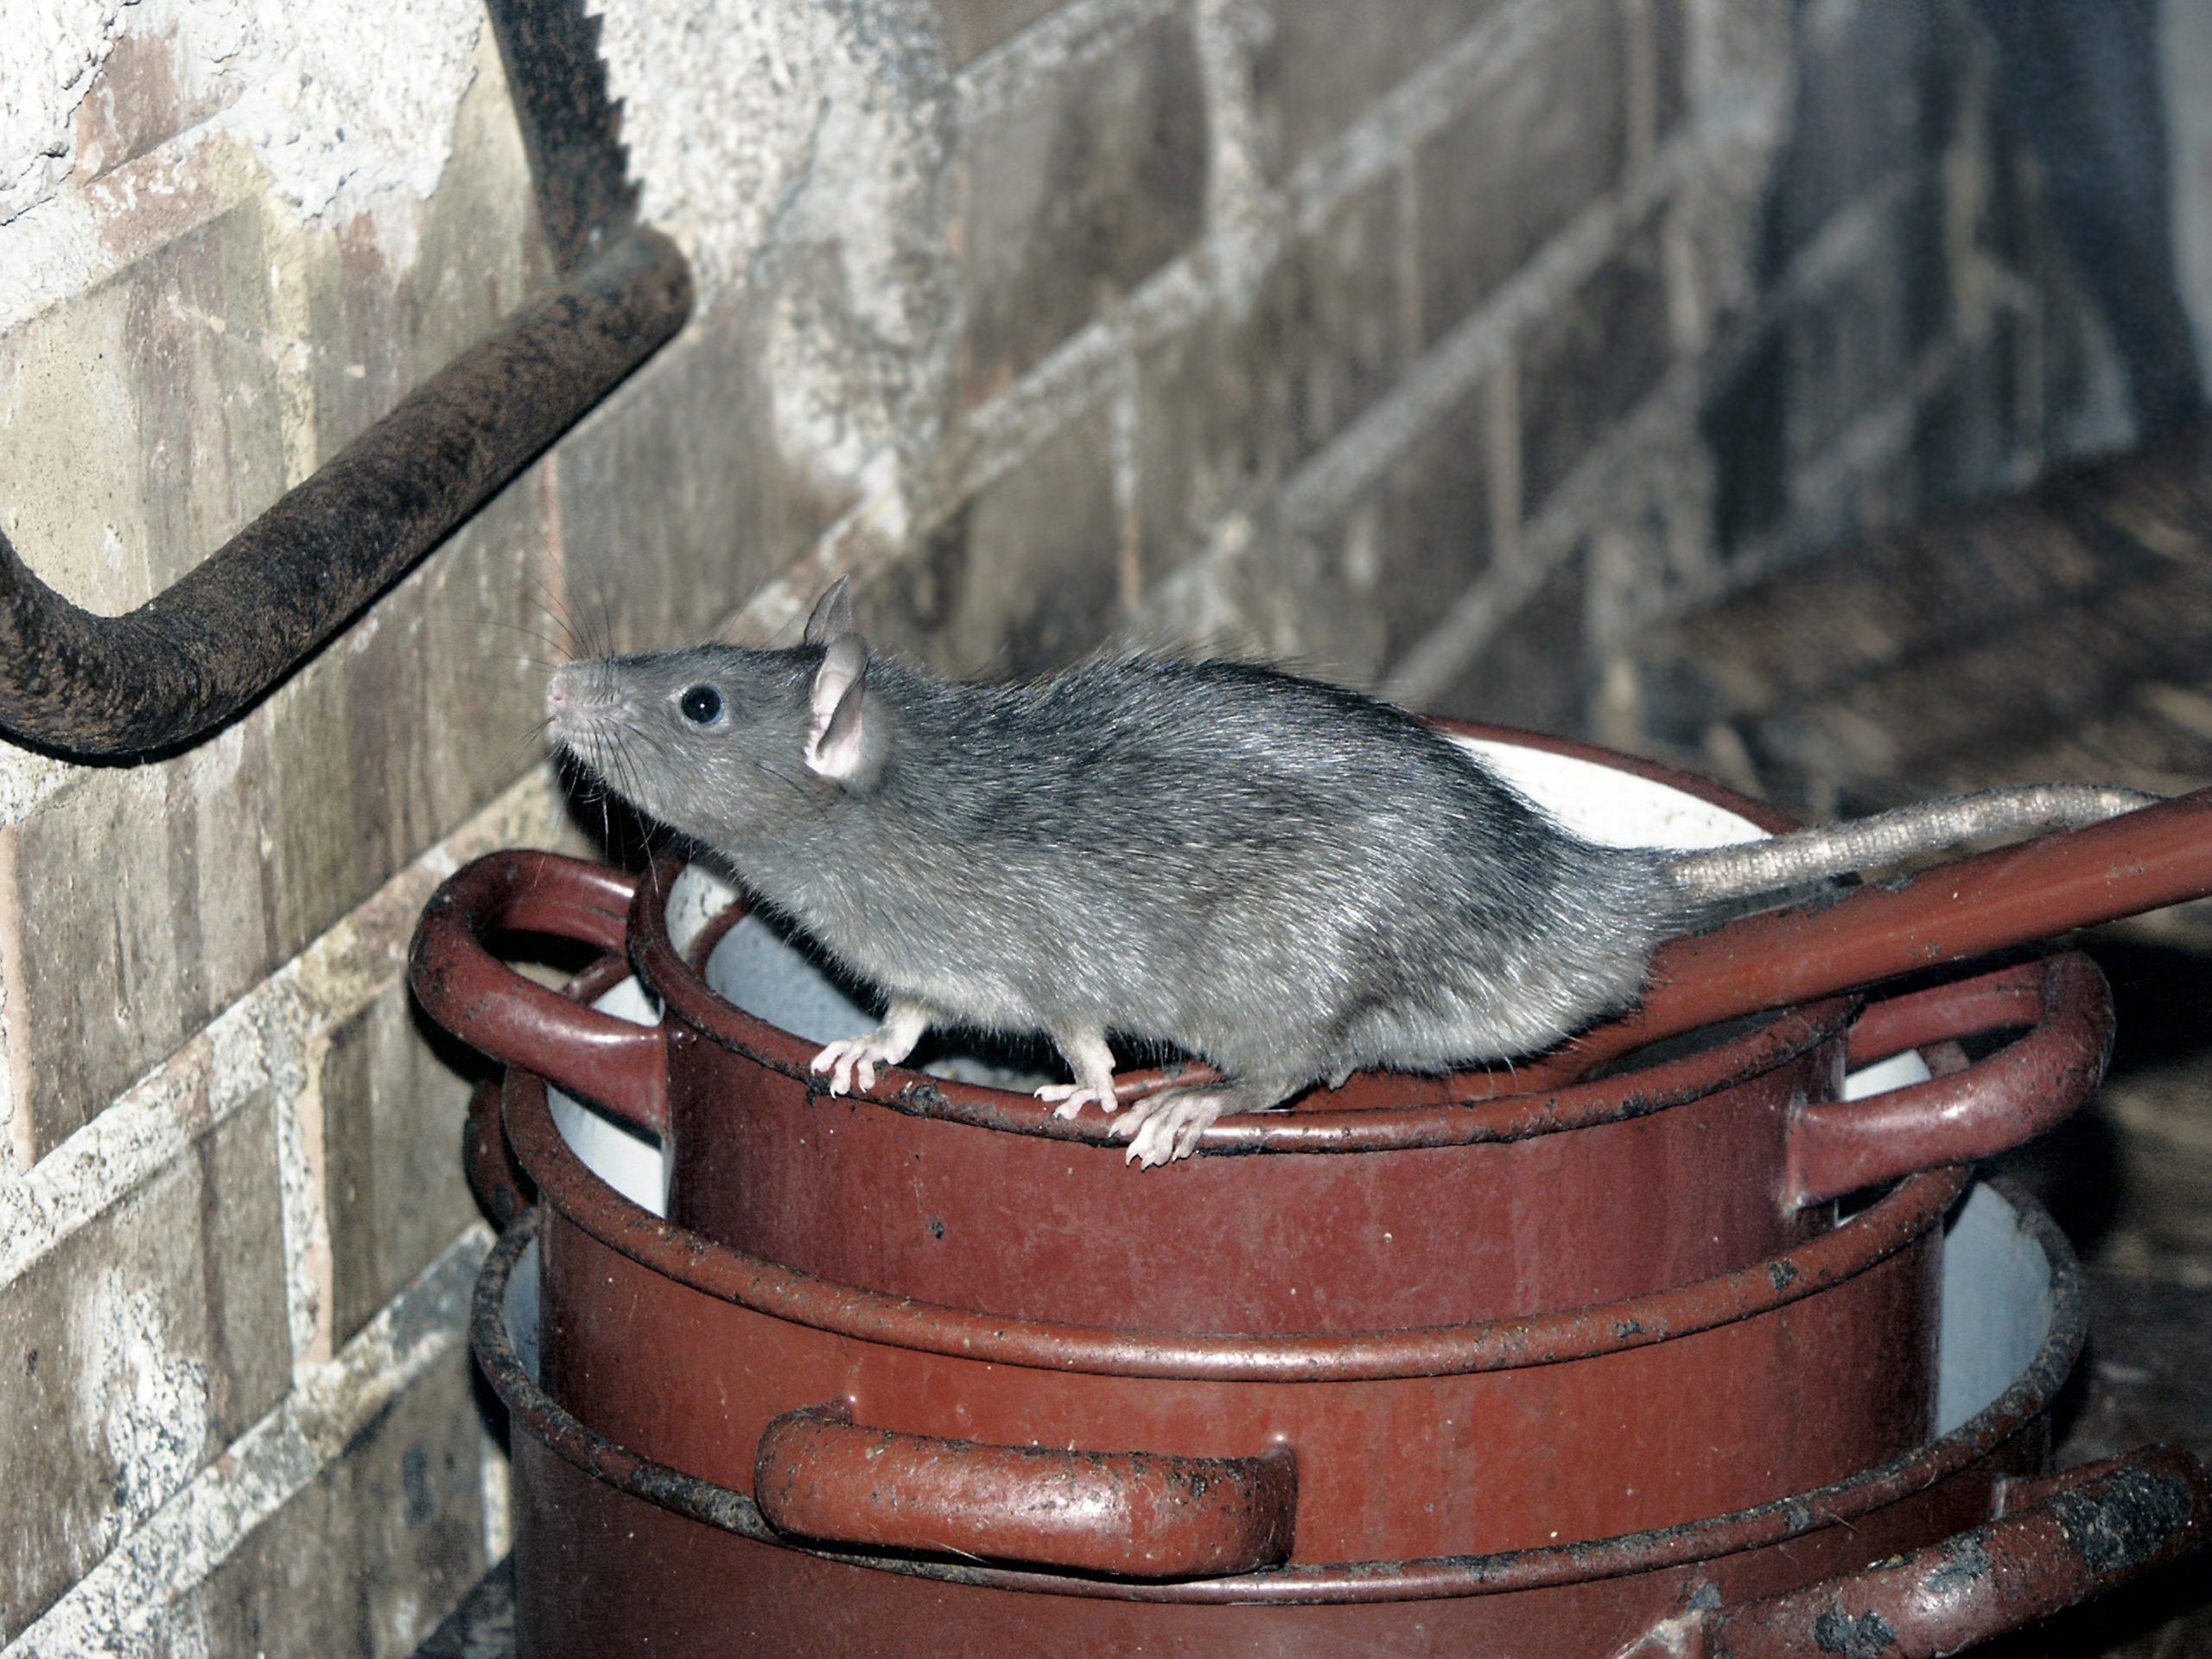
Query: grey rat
[{"x": 1291, "y": 880}]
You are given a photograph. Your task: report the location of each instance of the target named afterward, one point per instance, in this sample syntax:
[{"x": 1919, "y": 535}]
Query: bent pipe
[{"x": 221, "y": 638}]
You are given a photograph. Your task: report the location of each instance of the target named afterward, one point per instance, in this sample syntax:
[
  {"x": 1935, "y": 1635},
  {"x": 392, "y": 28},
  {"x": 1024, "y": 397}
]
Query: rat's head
[{"x": 722, "y": 742}]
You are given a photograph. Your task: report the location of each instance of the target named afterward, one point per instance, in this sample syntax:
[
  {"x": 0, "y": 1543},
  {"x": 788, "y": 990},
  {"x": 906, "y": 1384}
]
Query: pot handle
[
  {"x": 1838, "y": 1146},
  {"x": 481, "y": 1000},
  {"x": 2054, "y": 1542},
  {"x": 818, "y": 1475}
]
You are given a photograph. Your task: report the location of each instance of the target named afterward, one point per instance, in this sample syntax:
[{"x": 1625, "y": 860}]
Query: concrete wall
[{"x": 1438, "y": 348}]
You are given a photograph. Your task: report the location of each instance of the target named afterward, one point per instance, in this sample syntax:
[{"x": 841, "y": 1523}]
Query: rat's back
[{"x": 1223, "y": 852}]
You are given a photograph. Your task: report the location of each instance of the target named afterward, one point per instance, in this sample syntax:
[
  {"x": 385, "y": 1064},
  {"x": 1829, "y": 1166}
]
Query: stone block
[
  {"x": 1585, "y": 367},
  {"x": 1853, "y": 340},
  {"x": 132, "y": 928},
  {"x": 1072, "y": 192},
  {"x": 1539, "y": 146},
  {"x": 1670, "y": 64},
  {"x": 1968, "y": 430},
  {"x": 1412, "y": 544},
  {"x": 677, "y": 497},
  {"x": 134, "y": 105},
  {"x": 145, "y": 420},
  {"x": 1025, "y": 576},
  {"x": 1746, "y": 424},
  {"x": 1322, "y": 66},
  {"x": 1875, "y": 98},
  {"x": 1537, "y": 671},
  {"x": 974, "y": 27},
  {"x": 133, "y": 1351},
  {"x": 364, "y": 1561},
  {"x": 393, "y": 1185},
  {"x": 1227, "y": 409}
]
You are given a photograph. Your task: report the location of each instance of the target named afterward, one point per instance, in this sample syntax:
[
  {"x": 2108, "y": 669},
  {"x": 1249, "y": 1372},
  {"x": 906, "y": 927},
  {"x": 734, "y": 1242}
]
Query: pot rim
[
  {"x": 2022, "y": 1402},
  {"x": 1466, "y": 1112},
  {"x": 714, "y": 1269}
]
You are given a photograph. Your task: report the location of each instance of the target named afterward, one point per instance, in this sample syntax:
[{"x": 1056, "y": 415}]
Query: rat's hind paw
[
  {"x": 1092, "y": 1063},
  {"x": 1163, "y": 1128}
]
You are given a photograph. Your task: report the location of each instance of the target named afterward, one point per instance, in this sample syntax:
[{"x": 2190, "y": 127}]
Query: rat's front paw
[{"x": 1167, "y": 1127}]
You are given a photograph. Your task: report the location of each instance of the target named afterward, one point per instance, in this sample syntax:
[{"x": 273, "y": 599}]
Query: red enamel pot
[
  {"x": 877, "y": 1419},
  {"x": 1395, "y": 1201},
  {"x": 618, "y": 1551}
]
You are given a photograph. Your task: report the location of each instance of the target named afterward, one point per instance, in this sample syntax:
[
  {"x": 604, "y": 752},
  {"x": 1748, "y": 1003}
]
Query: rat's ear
[
  {"x": 833, "y": 613},
  {"x": 844, "y": 743}
]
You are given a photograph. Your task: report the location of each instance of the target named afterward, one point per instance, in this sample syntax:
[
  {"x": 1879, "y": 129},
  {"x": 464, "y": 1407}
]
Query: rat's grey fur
[{"x": 1289, "y": 880}]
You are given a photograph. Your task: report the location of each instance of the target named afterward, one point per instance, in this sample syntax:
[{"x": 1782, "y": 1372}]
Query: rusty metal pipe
[{"x": 221, "y": 637}]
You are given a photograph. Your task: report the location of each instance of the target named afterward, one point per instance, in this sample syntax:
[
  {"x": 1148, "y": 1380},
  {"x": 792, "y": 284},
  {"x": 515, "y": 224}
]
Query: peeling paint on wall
[
  {"x": 343, "y": 105},
  {"x": 153, "y": 1401},
  {"x": 50, "y": 54},
  {"x": 343, "y": 110}
]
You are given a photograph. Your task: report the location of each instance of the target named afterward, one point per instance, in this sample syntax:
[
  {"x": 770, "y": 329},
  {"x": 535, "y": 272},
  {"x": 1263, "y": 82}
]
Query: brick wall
[{"x": 1438, "y": 348}]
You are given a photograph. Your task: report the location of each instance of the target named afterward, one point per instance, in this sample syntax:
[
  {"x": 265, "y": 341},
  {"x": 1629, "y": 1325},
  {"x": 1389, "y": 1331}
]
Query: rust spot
[
  {"x": 1869, "y": 1637},
  {"x": 1783, "y": 1273},
  {"x": 2127, "y": 1524},
  {"x": 1966, "y": 1560}
]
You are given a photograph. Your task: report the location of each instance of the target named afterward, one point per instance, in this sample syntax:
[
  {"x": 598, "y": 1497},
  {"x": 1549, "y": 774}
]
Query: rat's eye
[{"x": 702, "y": 705}]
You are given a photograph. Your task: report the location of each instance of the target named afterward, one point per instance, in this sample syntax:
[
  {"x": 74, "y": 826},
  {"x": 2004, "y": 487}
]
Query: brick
[
  {"x": 1272, "y": 593},
  {"x": 1969, "y": 428},
  {"x": 974, "y": 27},
  {"x": 134, "y": 1352},
  {"x": 1749, "y": 40},
  {"x": 1670, "y": 64},
  {"x": 1854, "y": 340},
  {"x": 1229, "y": 408},
  {"x": 1422, "y": 534},
  {"x": 1024, "y": 578},
  {"x": 128, "y": 940},
  {"x": 393, "y": 1109},
  {"x": 1586, "y": 367},
  {"x": 1322, "y": 66},
  {"x": 1074, "y": 192},
  {"x": 133, "y": 105},
  {"x": 145, "y": 420},
  {"x": 1745, "y": 423},
  {"x": 364, "y": 1560},
  {"x": 1542, "y": 145},
  {"x": 1874, "y": 97},
  {"x": 1537, "y": 671},
  {"x": 677, "y": 498}
]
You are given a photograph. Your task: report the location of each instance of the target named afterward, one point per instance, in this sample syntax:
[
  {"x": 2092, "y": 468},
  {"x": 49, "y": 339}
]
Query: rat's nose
[{"x": 560, "y": 692}]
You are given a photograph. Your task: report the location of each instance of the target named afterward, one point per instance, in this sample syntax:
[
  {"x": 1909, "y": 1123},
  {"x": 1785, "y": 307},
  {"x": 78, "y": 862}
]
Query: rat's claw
[
  {"x": 842, "y": 1059},
  {"x": 1166, "y": 1127}
]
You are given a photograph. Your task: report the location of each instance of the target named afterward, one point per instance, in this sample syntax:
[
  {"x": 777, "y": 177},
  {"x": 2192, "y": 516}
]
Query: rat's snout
[
  {"x": 560, "y": 690},
  {"x": 580, "y": 701},
  {"x": 574, "y": 692}
]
